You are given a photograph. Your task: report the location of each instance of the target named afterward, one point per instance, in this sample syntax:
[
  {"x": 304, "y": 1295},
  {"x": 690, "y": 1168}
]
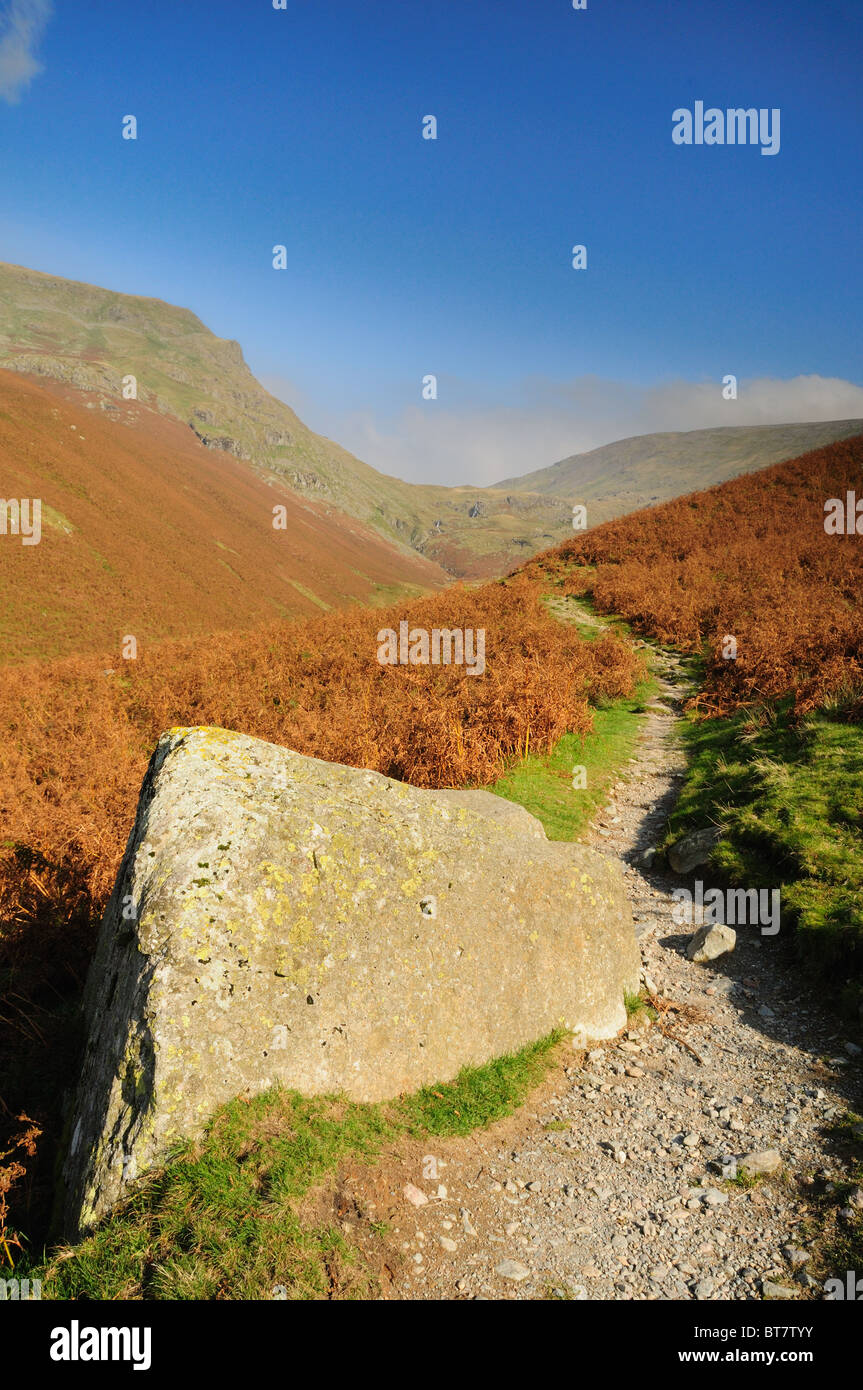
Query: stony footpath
[{"x": 671, "y": 1163}]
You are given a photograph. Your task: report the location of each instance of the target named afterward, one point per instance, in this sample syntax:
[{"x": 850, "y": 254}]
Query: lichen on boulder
[{"x": 281, "y": 919}]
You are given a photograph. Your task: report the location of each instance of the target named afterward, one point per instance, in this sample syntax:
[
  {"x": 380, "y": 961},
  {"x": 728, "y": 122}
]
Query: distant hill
[
  {"x": 145, "y": 532},
  {"x": 91, "y": 338},
  {"x": 648, "y": 468}
]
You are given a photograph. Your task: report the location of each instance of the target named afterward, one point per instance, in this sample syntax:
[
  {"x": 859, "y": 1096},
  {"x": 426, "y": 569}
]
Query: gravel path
[{"x": 613, "y": 1182}]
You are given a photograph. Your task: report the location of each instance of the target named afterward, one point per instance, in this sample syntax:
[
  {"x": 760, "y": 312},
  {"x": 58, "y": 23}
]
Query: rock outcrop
[
  {"x": 694, "y": 849},
  {"x": 281, "y": 919}
]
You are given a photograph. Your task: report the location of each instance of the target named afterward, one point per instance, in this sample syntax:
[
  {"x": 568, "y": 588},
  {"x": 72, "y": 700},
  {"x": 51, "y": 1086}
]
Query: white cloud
[
  {"x": 22, "y": 23},
  {"x": 542, "y": 421}
]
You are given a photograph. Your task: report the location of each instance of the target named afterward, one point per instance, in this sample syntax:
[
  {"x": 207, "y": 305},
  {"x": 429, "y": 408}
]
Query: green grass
[
  {"x": 742, "y": 1182},
  {"x": 225, "y": 1218},
  {"x": 790, "y": 801},
  {"x": 637, "y": 1005},
  {"x": 543, "y": 783}
]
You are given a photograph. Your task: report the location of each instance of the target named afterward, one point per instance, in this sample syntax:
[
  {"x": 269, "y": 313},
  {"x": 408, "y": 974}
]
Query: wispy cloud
[
  {"x": 481, "y": 441},
  {"x": 22, "y": 24}
]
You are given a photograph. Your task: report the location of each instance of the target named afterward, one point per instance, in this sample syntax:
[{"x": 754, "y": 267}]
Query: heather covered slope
[
  {"x": 145, "y": 532},
  {"x": 751, "y": 560}
]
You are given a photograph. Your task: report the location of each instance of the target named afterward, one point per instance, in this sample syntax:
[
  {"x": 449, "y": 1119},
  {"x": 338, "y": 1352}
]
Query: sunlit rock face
[{"x": 281, "y": 919}]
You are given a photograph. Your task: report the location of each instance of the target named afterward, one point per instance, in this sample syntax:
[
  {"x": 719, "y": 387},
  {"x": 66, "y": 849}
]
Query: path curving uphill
[{"x": 614, "y": 1181}]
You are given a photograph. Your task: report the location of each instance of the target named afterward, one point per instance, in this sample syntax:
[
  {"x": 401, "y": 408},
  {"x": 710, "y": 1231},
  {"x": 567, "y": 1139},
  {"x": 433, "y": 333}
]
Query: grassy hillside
[
  {"x": 145, "y": 532},
  {"x": 92, "y": 338},
  {"x": 649, "y": 468},
  {"x": 76, "y": 742}
]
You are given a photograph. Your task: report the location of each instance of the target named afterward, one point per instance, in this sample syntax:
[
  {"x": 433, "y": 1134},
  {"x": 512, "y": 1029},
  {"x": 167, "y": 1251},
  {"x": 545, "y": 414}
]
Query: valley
[
  {"x": 93, "y": 340},
  {"x": 204, "y": 561}
]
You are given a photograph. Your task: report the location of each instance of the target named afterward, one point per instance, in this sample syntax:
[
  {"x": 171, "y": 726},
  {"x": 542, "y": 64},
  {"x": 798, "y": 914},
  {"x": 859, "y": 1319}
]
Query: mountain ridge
[{"x": 91, "y": 338}]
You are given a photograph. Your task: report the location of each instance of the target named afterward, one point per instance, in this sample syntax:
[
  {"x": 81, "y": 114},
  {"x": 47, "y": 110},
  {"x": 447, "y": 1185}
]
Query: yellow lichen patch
[
  {"x": 208, "y": 735},
  {"x": 278, "y": 876},
  {"x": 309, "y": 882}
]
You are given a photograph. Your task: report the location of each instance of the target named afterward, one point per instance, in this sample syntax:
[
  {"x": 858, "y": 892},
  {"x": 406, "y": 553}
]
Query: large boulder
[{"x": 281, "y": 919}]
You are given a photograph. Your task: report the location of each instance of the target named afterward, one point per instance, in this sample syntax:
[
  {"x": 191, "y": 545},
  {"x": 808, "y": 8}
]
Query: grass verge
[
  {"x": 789, "y": 797},
  {"x": 543, "y": 784},
  {"x": 224, "y": 1219}
]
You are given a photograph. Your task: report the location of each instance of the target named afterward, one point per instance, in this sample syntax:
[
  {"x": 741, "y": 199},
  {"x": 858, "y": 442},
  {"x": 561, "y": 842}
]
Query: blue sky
[{"x": 406, "y": 257}]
